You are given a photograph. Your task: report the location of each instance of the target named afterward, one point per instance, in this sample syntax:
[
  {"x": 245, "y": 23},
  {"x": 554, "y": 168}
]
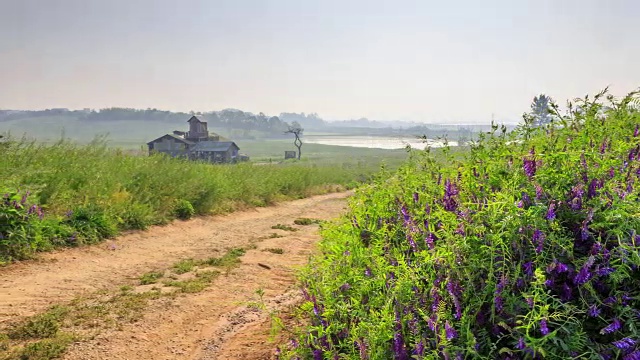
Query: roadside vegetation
[
  {"x": 68, "y": 194},
  {"x": 525, "y": 248}
]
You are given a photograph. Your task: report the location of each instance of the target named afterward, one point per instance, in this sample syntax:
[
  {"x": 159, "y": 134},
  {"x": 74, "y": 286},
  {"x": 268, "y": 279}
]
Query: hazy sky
[{"x": 413, "y": 60}]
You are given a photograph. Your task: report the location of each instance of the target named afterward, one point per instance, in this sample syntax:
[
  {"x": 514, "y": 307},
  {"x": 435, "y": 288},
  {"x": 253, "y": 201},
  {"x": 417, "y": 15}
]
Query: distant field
[{"x": 133, "y": 135}]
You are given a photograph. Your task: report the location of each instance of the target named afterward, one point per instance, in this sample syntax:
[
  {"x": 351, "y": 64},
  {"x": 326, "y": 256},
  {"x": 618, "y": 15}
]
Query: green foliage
[
  {"x": 83, "y": 194},
  {"x": 283, "y": 227},
  {"x": 527, "y": 247},
  {"x": 184, "y": 266},
  {"x": 184, "y": 210},
  {"x": 305, "y": 221},
  {"x": 46, "y": 349},
  {"x": 40, "y": 327},
  {"x": 150, "y": 278}
]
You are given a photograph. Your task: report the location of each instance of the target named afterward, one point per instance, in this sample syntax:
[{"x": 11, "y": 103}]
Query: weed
[
  {"x": 306, "y": 221},
  {"x": 284, "y": 227},
  {"x": 46, "y": 349},
  {"x": 150, "y": 278},
  {"x": 184, "y": 210},
  {"x": 274, "y": 250},
  {"x": 202, "y": 280},
  {"x": 275, "y": 236},
  {"x": 184, "y": 266},
  {"x": 41, "y": 326}
]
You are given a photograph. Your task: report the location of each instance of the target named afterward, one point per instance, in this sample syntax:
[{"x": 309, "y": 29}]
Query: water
[{"x": 375, "y": 142}]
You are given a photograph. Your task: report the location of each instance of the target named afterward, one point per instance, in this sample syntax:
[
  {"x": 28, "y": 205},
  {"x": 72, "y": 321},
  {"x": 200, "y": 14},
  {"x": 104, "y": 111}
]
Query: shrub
[
  {"x": 184, "y": 210},
  {"x": 527, "y": 248}
]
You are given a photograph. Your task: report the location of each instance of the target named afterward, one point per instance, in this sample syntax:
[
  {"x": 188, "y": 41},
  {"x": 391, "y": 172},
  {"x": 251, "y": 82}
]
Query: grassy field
[
  {"x": 68, "y": 194},
  {"x": 527, "y": 247}
]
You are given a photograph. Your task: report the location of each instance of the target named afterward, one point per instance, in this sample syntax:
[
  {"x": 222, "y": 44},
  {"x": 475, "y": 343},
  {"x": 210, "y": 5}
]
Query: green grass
[
  {"x": 91, "y": 192},
  {"x": 283, "y": 227},
  {"x": 150, "y": 278},
  {"x": 306, "y": 221},
  {"x": 184, "y": 266}
]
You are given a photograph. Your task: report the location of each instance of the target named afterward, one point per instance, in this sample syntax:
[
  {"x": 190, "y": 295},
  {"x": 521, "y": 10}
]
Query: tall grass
[
  {"x": 85, "y": 193},
  {"x": 527, "y": 248}
]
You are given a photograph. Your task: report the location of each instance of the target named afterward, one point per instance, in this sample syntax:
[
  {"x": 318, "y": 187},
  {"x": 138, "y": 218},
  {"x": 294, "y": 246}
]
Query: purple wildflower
[
  {"x": 430, "y": 240},
  {"x": 450, "y": 331},
  {"x": 636, "y": 131},
  {"x": 345, "y": 287},
  {"x": 416, "y": 197},
  {"x": 594, "y": 311},
  {"x": 367, "y": 272},
  {"x": 399, "y": 349},
  {"x": 521, "y": 345},
  {"x": 603, "y": 147},
  {"x": 551, "y": 212},
  {"x": 613, "y": 327},
  {"x": 529, "y": 166},
  {"x": 528, "y": 268},
  {"x": 419, "y": 350},
  {"x": 594, "y": 186},
  {"x": 612, "y": 172},
  {"x": 526, "y": 199},
  {"x": 632, "y": 356},
  {"x": 605, "y": 271},
  {"x": 543, "y": 327},
  {"x": 498, "y": 302},
  {"x": 529, "y": 301},
  {"x": 539, "y": 191},
  {"x": 450, "y": 191},
  {"x": 538, "y": 240},
  {"x": 585, "y": 274},
  {"x": 317, "y": 354},
  {"x": 625, "y": 343}
]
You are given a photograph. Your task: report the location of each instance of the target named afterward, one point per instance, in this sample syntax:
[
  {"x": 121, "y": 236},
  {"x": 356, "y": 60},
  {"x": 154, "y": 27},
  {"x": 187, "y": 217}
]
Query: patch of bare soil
[{"x": 227, "y": 320}]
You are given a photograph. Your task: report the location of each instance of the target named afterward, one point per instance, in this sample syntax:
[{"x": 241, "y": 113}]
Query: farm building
[{"x": 196, "y": 144}]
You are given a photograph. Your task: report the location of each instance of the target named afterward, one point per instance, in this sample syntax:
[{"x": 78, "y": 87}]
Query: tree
[
  {"x": 540, "y": 110},
  {"x": 296, "y": 130}
]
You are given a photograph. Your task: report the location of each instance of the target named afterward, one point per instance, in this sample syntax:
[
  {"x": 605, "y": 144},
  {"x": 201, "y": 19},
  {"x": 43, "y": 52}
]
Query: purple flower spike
[
  {"x": 528, "y": 268},
  {"x": 317, "y": 354},
  {"x": 450, "y": 331},
  {"x": 538, "y": 240},
  {"x": 613, "y": 327},
  {"x": 430, "y": 240},
  {"x": 521, "y": 345},
  {"x": 594, "y": 311},
  {"x": 529, "y": 166},
  {"x": 551, "y": 213},
  {"x": 636, "y": 131},
  {"x": 499, "y": 303},
  {"x": 624, "y": 344},
  {"x": 632, "y": 356},
  {"x": 543, "y": 327}
]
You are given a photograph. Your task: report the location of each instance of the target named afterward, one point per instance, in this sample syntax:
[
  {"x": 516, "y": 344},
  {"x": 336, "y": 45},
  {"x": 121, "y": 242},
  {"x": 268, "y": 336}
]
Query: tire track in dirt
[
  {"x": 30, "y": 287},
  {"x": 211, "y": 324}
]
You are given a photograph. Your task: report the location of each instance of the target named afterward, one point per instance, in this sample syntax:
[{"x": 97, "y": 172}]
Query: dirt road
[{"x": 216, "y": 323}]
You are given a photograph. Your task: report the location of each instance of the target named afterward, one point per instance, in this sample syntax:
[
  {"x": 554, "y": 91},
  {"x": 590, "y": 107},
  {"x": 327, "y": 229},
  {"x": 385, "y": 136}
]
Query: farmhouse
[{"x": 196, "y": 144}]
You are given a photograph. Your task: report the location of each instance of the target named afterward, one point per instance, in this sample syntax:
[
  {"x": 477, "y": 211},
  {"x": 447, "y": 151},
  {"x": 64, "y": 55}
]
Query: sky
[{"x": 428, "y": 61}]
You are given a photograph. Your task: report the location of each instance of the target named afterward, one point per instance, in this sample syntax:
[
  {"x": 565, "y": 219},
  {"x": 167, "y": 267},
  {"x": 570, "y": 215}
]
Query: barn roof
[
  {"x": 214, "y": 146},
  {"x": 196, "y": 119},
  {"x": 176, "y": 137}
]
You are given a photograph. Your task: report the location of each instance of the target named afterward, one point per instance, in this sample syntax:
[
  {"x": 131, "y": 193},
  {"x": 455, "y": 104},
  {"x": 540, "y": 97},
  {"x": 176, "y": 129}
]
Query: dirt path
[{"x": 211, "y": 324}]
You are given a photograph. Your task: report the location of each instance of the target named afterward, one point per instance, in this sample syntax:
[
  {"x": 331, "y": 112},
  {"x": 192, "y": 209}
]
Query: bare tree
[{"x": 296, "y": 130}]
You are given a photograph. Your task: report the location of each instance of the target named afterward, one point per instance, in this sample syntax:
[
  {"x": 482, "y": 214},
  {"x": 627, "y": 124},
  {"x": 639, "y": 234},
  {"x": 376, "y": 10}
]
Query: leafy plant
[
  {"x": 528, "y": 247},
  {"x": 184, "y": 210}
]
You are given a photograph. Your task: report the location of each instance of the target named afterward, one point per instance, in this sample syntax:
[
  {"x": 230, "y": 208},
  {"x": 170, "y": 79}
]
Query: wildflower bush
[
  {"x": 68, "y": 194},
  {"x": 527, "y": 248}
]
